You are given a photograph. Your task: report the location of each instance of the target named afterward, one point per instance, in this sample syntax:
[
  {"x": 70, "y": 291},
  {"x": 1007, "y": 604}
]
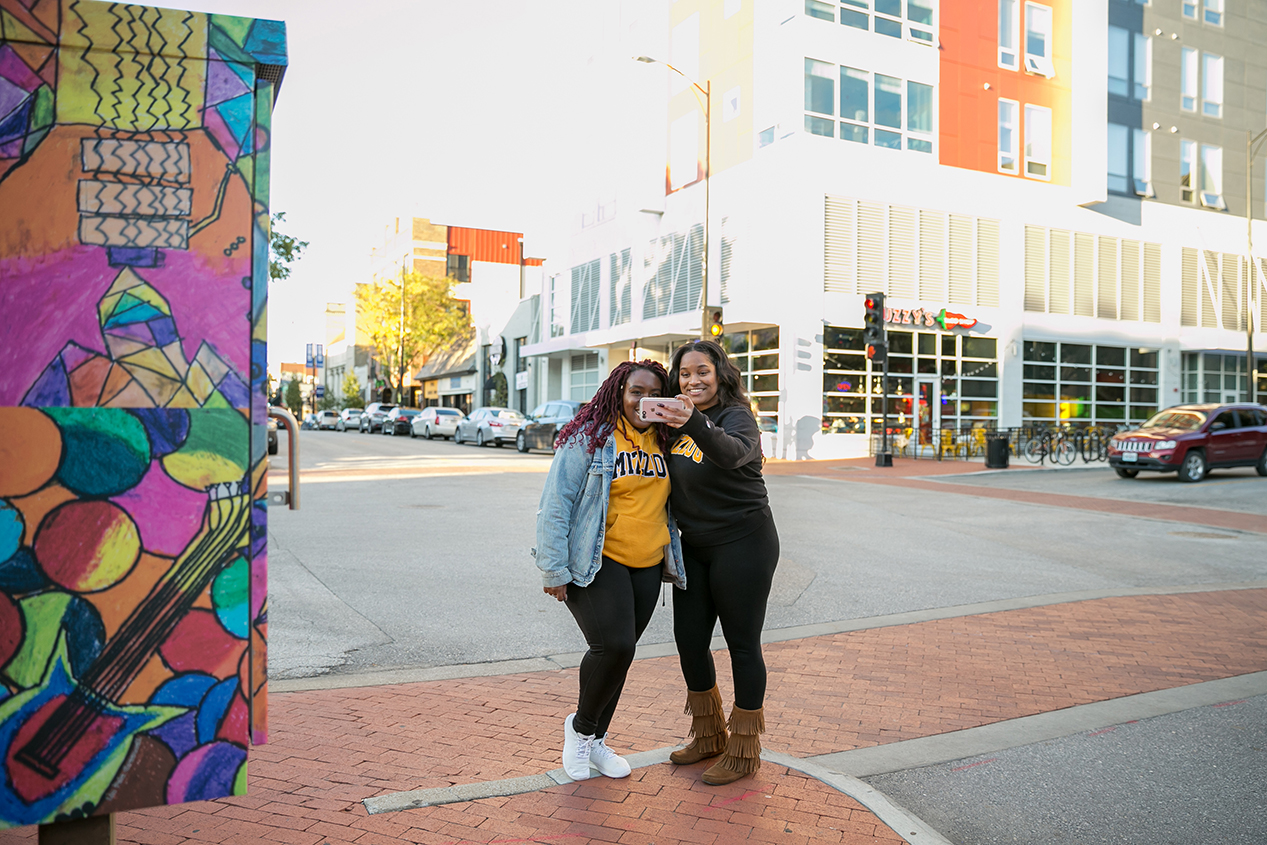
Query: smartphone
[{"x": 647, "y": 404}]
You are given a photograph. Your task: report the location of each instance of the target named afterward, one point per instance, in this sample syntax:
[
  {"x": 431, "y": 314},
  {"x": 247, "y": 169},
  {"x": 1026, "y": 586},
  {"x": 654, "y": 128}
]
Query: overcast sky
[{"x": 464, "y": 112}]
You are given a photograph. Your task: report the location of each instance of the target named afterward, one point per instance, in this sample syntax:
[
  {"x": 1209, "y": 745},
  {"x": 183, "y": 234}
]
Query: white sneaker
[
  {"x": 576, "y": 751},
  {"x": 607, "y": 762}
]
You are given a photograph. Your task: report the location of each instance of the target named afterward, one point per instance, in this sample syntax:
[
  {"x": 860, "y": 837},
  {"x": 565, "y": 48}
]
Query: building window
[
  {"x": 1187, "y": 169},
  {"x": 963, "y": 370},
  {"x": 585, "y": 298},
  {"x": 820, "y": 97},
  {"x": 1008, "y": 34},
  {"x": 1141, "y": 162},
  {"x": 1211, "y": 85},
  {"x": 1188, "y": 79},
  {"x": 1214, "y": 12},
  {"x": 1119, "y": 155},
  {"x": 1212, "y": 177},
  {"x": 1190, "y": 9},
  {"x": 1038, "y": 142},
  {"x": 909, "y": 19},
  {"x": 1119, "y": 61},
  {"x": 1143, "y": 66},
  {"x": 583, "y": 381},
  {"x": 1009, "y": 154},
  {"x": 1088, "y": 385},
  {"x": 556, "y": 307},
  {"x": 756, "y": 354},
  {"x": 871, "y": 107},
  {"x": 1038, "y": 37},
  {"x": 1210, "y": 377},
  {"x": 459, "y": 268}
]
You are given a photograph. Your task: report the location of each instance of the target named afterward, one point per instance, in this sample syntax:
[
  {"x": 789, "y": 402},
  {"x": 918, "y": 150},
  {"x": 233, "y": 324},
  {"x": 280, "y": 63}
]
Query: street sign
[
  {"x": 319, "y": 359},
  {"x": 320, "y": 391}
]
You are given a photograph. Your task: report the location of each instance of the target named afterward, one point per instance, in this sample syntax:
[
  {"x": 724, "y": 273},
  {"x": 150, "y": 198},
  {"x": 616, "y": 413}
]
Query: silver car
[
  {"x": 436, "y": 422},
  {"x": 489, "y": 425},
  {"x": 349, "y": 418}
]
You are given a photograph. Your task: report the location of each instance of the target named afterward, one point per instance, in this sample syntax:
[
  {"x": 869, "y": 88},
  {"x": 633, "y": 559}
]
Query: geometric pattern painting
[{"x": 134, "y": 207}]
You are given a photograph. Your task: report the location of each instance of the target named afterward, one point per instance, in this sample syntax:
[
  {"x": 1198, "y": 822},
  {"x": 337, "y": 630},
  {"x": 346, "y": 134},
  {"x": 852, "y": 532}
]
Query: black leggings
[
  {"x": 730, "y": 582},
  {"x": 612, "y": 613}
]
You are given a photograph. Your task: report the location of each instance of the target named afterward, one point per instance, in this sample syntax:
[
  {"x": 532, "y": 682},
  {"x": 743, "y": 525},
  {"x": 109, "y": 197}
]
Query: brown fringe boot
[
  {"x": 743, "y": 749},
  {"x": 708, "y": 727}
]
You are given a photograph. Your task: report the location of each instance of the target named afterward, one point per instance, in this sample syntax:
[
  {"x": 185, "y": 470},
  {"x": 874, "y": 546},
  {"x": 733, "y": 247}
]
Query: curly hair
[
  {"x": 597, "y": 418},
  {"x": 730, "y": 386}
]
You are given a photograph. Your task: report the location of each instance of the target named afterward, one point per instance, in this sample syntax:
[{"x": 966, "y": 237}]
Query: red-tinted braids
[{"x": 597, "y": 418}]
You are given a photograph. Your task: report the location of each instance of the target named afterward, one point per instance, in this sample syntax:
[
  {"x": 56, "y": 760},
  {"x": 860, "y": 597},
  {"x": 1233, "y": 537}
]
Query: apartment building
[{"x": 1052, "y": 195}]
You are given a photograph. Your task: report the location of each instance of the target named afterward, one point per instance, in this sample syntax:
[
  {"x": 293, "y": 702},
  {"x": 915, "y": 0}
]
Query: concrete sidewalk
[{"x": 332, "y": 749}]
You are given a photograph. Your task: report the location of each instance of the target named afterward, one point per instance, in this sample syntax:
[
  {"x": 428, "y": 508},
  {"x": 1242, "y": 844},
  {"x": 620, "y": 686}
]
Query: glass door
[{"x": 927, "y": 417}]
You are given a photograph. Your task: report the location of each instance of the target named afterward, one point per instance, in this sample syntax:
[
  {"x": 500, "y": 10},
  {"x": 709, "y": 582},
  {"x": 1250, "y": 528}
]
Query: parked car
[
  {"x": 349, "y": 418},
  {"x": 372, "y": 419},
  {"x": 272, "y": 436},
  {"x": 327, "y": 420},
  {"x": 1193, "y": 439},
  {"x": 544, "y": 424},
  {"x": 489, "y": 425},
  {"x": 397, "y": 421},
  {"x": 436, "y": 422}
]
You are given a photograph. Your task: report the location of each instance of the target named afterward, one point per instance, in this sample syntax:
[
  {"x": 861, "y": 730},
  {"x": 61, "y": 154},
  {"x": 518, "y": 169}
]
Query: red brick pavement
[
  {"x": 330, "y": 749},
  {"x": 910, "y": 474}
]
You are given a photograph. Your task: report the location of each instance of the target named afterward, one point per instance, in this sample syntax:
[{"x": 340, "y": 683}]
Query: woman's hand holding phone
[{"x": 673, "y": 412}]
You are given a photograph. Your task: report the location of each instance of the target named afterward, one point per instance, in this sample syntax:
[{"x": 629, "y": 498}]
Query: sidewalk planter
[{"x": 134, "y": 257}]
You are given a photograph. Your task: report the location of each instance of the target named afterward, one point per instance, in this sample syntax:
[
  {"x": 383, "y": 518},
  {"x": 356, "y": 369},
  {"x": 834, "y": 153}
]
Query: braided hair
[{"x": 597, "y": 418}]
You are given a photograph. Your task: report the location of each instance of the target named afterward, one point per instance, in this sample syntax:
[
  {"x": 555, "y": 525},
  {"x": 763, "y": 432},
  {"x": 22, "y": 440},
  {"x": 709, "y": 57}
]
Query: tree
[
  {"x": 284, "y": 250},
  {"x": 329, "y": 402},
  {"x": 294, "y": 398},
  {"x": 432, "y": 319},
  {"x": 351, "y": 391}
]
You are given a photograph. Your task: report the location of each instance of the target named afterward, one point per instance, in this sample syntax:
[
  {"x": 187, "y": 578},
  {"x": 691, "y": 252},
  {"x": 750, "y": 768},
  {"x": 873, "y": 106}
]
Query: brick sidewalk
[{"x": 332, "y": 748}]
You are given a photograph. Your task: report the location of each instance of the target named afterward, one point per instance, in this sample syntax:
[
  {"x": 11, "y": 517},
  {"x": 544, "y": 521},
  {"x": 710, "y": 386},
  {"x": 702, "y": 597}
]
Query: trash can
[{"x": 997, "y": 449}]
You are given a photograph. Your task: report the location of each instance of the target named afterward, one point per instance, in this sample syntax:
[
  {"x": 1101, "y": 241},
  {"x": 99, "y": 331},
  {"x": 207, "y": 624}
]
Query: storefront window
[
  {"x": 756, "y": 354},
  {"x": 1090, "y": 385},
  {"x": 1214, "y": 377},
  {"x": 933, "y": 382}
]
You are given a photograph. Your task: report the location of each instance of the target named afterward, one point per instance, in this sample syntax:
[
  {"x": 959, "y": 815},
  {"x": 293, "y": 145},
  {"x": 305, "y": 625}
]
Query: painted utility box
[{"x": 134, "y": 204}]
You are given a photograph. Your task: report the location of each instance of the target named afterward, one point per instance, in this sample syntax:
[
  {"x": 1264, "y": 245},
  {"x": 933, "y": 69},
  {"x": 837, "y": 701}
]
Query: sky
[{"x": 469, "y": 113}]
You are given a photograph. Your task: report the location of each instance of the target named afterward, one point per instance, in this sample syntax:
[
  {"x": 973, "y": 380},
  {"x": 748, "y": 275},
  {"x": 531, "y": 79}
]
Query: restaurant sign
[{"x": 925, "y": 317}]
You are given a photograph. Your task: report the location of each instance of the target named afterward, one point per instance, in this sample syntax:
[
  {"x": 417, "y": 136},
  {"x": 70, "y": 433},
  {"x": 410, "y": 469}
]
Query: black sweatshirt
[{"x": 718, "y": 493}]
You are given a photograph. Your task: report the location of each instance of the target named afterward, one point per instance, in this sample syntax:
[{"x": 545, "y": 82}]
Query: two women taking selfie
[{"x": 623, "y": 484}]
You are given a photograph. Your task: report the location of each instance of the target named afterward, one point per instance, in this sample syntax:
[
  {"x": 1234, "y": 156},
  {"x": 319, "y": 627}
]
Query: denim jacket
[{"x": 572, "y": 518}]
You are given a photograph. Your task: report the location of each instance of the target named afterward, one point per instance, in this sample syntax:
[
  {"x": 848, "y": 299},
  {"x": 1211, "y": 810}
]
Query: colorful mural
[{"x": 134, "y": 259}]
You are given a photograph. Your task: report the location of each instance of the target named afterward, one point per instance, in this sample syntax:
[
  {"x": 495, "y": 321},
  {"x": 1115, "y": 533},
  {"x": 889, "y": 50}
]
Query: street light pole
[
  {"x": 1252, "y": 143},
  {"x": 706, "y": 90}
]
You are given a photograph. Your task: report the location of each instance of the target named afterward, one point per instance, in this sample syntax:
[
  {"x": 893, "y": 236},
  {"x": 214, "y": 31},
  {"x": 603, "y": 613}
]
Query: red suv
[{"x": 1193, "y": 439}]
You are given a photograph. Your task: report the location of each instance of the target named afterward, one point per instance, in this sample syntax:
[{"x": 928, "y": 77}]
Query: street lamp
[
  {"x": 1252, "y": 143},
  {"x": 706, "y": 90}
]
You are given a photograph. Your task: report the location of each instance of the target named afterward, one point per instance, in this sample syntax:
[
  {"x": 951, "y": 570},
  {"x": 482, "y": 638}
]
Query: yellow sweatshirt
[{"x": 637, "y": 523}]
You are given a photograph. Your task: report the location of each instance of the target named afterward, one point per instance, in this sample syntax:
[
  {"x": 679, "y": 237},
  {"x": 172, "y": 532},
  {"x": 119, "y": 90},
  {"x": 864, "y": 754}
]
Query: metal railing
[{"x": 1061, "y": 445}]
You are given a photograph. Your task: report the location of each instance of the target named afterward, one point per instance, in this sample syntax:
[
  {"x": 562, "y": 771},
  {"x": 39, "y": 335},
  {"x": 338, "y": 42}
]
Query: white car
[
  {"x": 327, "y": 420},
  {"x": 436, "y": 422}
]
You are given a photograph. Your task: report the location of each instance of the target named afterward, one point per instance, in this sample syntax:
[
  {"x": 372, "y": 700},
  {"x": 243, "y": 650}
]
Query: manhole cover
[{"x": 1203, "y": 535}]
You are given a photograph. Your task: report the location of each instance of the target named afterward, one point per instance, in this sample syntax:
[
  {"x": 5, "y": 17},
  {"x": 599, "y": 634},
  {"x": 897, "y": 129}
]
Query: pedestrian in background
[
  {"x": 730, "y": 547},
  {"x": 606, "y": 540}
]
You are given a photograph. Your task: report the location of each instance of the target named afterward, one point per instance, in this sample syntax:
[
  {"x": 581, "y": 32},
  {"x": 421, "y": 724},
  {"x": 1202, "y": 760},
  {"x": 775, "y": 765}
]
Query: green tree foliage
[
  {"x": 431, "y": 318},
  {"x": 501, "y": 389},
  {"x": 294, "y": 398},
  {"x": 351, "y": 391},
  {"x": 329, "y": 402},
  {"x": 284, "y": 250}
]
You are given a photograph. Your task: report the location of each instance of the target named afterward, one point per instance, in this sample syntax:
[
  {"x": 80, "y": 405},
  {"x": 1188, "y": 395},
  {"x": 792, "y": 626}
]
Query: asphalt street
[
  {"x": 434, "y": 569},
  {"x": 1200, "y": 773}
]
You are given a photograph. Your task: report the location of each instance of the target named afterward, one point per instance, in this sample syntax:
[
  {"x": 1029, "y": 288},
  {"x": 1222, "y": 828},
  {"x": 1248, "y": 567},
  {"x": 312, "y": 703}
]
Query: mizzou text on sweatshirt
[
  {"x": 637, "y": 522},
  {"x": 715, "y": 463}
]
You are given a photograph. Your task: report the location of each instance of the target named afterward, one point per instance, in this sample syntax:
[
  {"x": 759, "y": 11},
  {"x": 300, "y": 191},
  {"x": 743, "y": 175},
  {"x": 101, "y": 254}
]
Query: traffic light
[
  {"x": 715, "y": 325},
  {"x": 873, "y": 336}
]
